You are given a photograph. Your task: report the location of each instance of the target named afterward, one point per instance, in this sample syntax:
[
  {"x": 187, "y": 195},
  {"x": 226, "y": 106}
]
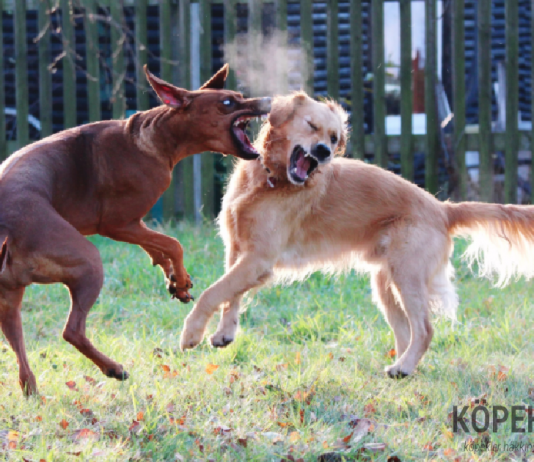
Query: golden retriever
[{"x": 300, "y": 209}]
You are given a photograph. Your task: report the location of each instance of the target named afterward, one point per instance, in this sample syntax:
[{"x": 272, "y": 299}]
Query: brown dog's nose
[{"x": 265, "y": 104}]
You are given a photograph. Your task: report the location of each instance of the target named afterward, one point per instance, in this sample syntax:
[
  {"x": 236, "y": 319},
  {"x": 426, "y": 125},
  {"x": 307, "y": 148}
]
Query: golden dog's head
[{"x": 301, "y": 134}]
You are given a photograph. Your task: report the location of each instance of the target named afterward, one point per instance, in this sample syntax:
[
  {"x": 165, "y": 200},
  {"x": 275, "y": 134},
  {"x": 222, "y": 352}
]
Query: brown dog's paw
[
  {"x": 181, "y": 294},
  {"x": 114, "y": 374}
]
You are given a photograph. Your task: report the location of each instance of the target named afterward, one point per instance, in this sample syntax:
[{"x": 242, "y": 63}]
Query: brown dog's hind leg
[
  {"x": 84, "y": 283},
  {"x": 11, "y": 323},
  {"x": 395, "y": 315}
]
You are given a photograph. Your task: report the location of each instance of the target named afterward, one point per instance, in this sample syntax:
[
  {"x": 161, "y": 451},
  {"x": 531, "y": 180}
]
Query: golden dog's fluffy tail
[{"x": 503, "y": 237}]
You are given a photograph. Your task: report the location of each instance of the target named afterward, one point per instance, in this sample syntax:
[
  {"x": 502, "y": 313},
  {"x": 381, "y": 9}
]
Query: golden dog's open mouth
[{"x": 301, "y": 165}]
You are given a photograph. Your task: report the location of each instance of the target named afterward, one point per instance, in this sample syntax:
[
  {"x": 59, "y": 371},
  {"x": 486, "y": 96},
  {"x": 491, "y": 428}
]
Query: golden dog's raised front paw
[{"x": 192, "y": 335}]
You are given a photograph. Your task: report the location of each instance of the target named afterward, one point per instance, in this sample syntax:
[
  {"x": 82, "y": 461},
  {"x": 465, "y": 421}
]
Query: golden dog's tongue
[{"x": 303, "y": 165}]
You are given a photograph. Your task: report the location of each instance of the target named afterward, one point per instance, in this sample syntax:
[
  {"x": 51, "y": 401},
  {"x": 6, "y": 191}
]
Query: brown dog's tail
[{"x": 503, "y": 237}]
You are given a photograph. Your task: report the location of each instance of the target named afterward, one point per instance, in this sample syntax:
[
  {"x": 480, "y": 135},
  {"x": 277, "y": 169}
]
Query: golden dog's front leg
[
  {"x": 249, "y": 272},
  {"x": 228, "y": 324}
]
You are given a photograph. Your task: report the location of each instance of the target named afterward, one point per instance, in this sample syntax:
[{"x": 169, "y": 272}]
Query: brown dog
[
  {"x": 301, "y": 210},
  {"x": 103, "y": 178}
]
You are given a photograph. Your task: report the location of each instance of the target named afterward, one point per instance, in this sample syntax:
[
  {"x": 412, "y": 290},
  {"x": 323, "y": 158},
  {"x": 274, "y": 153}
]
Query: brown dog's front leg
[{"x": 164, "y": 251}]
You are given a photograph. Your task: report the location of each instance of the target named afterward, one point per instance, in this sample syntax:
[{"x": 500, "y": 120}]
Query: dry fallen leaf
[
  {"x": 211, "y": 368},
  {"x": 165, "y": 368},
  {"x": 297, "y": 358},
  {"x": 391, "y": 353},
  {"x": 64, "y": 424},
  {"x": 71, "y": 384},
  {"x": 294, "y": 437},
  {"x": 140, "y": 415},
  {"x": 85, "y": 434},
  {"x": 428, "y": 447}
]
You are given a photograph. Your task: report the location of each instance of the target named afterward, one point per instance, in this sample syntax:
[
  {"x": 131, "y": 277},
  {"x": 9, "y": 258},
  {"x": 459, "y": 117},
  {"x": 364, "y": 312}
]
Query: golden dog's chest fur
[{"x": 348, "y": 214}]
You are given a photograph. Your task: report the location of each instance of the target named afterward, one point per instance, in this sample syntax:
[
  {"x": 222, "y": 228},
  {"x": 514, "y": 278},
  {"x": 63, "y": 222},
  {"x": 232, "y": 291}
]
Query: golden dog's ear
[{"x": 284, "y": 108}]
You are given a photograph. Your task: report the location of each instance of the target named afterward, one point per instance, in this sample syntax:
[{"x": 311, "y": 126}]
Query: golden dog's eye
[
  {"x": 313, "y": 127},
  {"x": 333, "y": 139}
]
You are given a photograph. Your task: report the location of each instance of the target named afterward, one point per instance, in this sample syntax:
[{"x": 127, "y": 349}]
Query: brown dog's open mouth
[
  {"x": 301, "y": 165},
  {"x": 242, "y": 142}
]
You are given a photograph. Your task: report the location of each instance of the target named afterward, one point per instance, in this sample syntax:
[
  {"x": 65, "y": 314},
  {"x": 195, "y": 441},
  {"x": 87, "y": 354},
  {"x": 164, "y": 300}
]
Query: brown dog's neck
[{"x": 153, "y": 133}]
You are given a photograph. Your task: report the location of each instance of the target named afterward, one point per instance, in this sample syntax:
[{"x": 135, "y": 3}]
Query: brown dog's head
[
  {"x": 219, "y": 116},
  {"x": 312, "y": 131}
]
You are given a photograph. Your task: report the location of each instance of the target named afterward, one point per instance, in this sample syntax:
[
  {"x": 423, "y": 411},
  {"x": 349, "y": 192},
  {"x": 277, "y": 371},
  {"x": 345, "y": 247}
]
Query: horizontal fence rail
[{"x": 87, "y": 57}]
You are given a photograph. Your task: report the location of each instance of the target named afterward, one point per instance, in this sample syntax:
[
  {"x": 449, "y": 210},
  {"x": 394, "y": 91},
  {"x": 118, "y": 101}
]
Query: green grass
[{"x": 261, "y": 393}]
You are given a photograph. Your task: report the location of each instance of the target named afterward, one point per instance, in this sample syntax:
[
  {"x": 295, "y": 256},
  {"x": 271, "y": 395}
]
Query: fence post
[
  {"x": 165, "y": 40},
  {"x": 485, "y": 135},
  {"x": 356, "y": 74},
  {"x": 458, "y": 70},
  {"x": 92, "y": 56},
  {"x": 379, "y": 78},
  {"x": 3, "y": 143},
  {"x": 21, "y": 74},
  {"x": 141, "y": 52},
  {"x": 306, "y": 45},
  {"x": 282, "y": 63},
  {"x": 229, "y": 37},
  {"x": 186, "y": 165},
  {"x": 254, "y": 46},
  {"x": 432, "y": 141},
  {"x": 406, "y": 153},
  {"x": 69, "y": 66},
  {"x": 45, "y": 78},
  {"x": 118, "y": 68},
  {"x": 531, "y": 103},
  {"x": 512, "y": 103},
  {"x": 332, "y": 53},
  {"x": 207, "y": 158}
]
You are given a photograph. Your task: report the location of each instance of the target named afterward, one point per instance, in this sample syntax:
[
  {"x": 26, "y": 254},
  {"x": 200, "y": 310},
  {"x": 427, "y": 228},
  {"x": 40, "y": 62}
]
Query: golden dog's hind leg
[
  {"x": 250, "y": 271},
  {"x": 393, "y": 312},
  {"x": 415, "y": 300},
  {"x": 228, "y": 324}
]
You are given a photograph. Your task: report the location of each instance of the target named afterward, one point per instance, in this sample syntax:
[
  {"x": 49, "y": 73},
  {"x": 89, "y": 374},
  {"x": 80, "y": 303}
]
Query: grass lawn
[{"x": 304, "y": 378}]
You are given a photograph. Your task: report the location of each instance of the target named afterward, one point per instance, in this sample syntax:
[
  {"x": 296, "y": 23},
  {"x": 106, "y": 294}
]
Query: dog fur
[
  {"x": 349, "y": 214},
  {"x": 103, "y": 178}
]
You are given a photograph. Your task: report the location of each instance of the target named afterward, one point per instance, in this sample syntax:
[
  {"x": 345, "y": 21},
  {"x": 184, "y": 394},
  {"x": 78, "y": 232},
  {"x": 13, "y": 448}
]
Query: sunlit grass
[{"x": 308, "y": 360}]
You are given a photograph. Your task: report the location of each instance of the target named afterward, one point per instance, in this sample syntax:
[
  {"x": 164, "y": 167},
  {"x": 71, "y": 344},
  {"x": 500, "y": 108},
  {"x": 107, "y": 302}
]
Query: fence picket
[
  {"x": 484, "y": 101},
  {"x": 21, "y": 74},
  {"x": 69, "y": 65},
  {"x": 332, "y": 52},
  {"x": 379, "y": 81},
  {"x": 356, "y": 74},
  {"x": 117, "y": 50},
  {"x": 458, "y": 70},
  {"x": 407, "y": 157},
  {"x": 512, "y": 97},
  {"x": 141, "y": 51},
  {"x": 432, "y": 123},
  {"x": 45, "y": 78},
  {"x": 306, "y": 43},
  {"x": 93, "y": 61}
]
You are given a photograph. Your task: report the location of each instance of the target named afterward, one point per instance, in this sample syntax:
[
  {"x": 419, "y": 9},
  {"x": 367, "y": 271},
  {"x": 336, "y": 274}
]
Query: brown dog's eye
[
  {"x": 228, "y": 102},
  {"x": 333, "y": 139},
  {"x": 313, "y": 127}
]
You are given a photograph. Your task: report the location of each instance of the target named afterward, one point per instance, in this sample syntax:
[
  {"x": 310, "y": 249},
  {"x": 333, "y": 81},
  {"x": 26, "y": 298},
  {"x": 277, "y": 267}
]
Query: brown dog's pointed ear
[
  {"x": 168, "y": 94},
  {"x": 284, "y": 107},
  {"x": 217, "y": 81}
]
